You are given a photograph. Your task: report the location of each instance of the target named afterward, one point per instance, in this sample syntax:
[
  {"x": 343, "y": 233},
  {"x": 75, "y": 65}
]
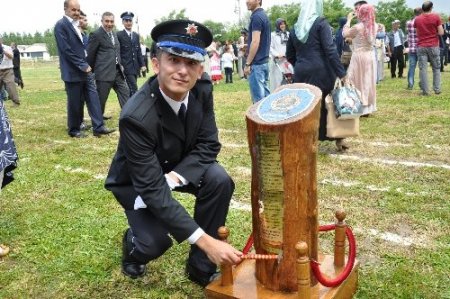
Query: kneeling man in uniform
[{"x": 169, "y": 142}]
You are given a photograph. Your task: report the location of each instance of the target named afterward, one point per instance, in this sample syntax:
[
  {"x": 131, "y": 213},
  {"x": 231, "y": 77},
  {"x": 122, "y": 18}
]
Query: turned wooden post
[
  {"x": 282, "y": 136},
  {"x": 339, "y": 239},
  {"x": 303, "y": 271},
  {"x": 226, "y": 270}
]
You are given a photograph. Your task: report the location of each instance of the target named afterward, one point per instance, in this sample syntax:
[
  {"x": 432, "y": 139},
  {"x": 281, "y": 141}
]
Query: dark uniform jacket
[
  {"x": 102, "y": 55},
  {"x": 153, "y": 142},
  {"x": 130, "y": 51}
]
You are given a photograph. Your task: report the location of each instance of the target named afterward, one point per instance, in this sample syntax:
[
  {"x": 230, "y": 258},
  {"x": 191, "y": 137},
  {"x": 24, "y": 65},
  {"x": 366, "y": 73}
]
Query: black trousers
[
  {"x": 212, "y": 201},
  {"x": 132, "y": 83},
  {"x": 120, "y": 87},
  {"x": 228, "y": 75},
  {"x": 397, "y": 58}
]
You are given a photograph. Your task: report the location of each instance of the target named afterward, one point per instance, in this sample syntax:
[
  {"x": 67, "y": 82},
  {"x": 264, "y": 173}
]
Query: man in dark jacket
[
  {"x": 169, "y": 142},
  {"x": 16, "y": 64},
  {"x": 75, "y": 71},
  {"x": 130, "y": 51},
  {"x": 103, "y": 54}
]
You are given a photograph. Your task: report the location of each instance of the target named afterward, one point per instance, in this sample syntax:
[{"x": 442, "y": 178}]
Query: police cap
[
  {"x": 185, "y": 38},
  {"x": 128, "y": 15}
]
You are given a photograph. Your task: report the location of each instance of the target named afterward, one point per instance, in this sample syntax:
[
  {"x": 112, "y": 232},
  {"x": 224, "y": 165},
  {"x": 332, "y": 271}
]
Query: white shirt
[
  {"x": 277, "y": 47},
  {"x": 129, "y": 33},
  {"x": 143, "y": 49},
  {"x": 227, "y": 59},
  {"x": 397, "y": 40},
  {"x": 75, "y": 25},
  {"x": 7, "y": 62}
]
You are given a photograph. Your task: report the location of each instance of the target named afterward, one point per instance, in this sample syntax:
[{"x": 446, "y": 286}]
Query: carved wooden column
[{"x": 282, "y": 136}]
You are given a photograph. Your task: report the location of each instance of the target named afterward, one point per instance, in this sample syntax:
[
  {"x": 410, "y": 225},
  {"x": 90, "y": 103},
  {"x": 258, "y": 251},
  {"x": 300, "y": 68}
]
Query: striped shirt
[{"x": 412, "y": 36}]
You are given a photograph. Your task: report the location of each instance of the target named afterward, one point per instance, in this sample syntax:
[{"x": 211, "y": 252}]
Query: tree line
[{"x": 387, "y": 12}]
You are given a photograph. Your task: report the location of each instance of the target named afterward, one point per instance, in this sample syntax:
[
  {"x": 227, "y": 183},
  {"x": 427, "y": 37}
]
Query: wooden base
[{"x": 246, "y": 286}]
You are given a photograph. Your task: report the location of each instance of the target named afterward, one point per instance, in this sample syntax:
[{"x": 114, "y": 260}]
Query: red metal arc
[
  {"x": 350, "y": 262},
  {"x": 315, "y": 266}
]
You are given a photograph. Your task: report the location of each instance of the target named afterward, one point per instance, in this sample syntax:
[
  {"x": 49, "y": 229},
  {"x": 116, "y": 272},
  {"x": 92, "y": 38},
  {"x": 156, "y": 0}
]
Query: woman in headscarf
[
  {"x": 312, "y": 52},
  {"x": 362, "y": 71},
  {"x": 277, "y": 63}
]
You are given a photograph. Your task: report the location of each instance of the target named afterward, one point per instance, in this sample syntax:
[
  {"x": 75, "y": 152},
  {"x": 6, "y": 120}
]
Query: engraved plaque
[
  {"x": 271, "y": 191},
  {"x": 284, "y": 104}
]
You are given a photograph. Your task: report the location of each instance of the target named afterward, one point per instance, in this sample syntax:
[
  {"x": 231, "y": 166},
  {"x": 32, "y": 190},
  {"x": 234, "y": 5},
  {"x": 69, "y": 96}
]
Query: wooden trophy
[{"x": 282, "y": 135}]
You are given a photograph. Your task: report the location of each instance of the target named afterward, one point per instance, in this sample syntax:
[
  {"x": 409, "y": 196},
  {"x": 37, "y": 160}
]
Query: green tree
[
  {"x": 49, "y": 40},
  {"x": 173, "y": 15},
  {"x": 288, "y": 12},
  {"x": 389, "y": 11},
  {"x": 333, "y": 10}
]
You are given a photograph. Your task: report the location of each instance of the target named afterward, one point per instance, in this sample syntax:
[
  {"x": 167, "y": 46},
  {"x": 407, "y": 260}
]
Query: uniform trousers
[
  {"x": 132, "y": 83},
  {"x": 212, "y": 201}
]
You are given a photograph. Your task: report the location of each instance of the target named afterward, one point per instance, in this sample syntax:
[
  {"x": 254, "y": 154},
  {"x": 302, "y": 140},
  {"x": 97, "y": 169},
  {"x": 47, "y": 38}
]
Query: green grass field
[{"x": 65, "y": 229}]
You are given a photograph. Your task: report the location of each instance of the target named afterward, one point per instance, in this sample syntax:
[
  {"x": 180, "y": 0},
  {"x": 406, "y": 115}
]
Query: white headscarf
[{"x": 310, "y": 10}]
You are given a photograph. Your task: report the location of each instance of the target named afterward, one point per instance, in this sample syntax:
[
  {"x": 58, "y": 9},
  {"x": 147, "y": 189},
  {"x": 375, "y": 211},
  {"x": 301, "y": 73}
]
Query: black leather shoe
[
  {"x": 77, "y": 135},
  {"x": 199, "y": 277},
  {"x": 106, "y": 117},
  {"x": 103, "y": 131},
  {"x": 131, "y": 267}
]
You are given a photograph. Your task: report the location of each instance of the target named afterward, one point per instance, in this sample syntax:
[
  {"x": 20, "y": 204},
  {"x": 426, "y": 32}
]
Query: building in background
[{"x": 34, "y": 52}]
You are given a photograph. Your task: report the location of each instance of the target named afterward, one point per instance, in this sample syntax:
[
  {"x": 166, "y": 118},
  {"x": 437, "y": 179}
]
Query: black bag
[{"x": 346, "y": 55}]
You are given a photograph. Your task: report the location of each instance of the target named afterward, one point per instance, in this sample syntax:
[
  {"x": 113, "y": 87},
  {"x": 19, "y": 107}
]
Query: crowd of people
[{"x": 168, "y": 133}]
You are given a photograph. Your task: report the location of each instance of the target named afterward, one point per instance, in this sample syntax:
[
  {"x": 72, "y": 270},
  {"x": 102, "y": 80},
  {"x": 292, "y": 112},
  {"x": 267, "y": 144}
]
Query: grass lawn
[{"x": 65, "y": 229}]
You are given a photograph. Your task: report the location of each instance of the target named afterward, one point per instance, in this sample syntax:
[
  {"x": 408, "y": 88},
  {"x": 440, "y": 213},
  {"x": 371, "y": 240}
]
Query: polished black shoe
[
  {"x": 103, "y": 131},
  {"x": 77, "y": 135},
  {"x": 85, "y": 127},
  {"x": 106, "y": 117},
  {"x": 199, "y": 277},
  {"x": 131, "y": 267}
]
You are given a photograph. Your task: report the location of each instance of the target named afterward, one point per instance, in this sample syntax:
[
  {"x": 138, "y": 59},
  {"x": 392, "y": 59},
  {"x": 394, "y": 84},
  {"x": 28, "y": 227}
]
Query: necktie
[
  {"x": 111, "y": 36},
  {"x": 182, "y": 113}
]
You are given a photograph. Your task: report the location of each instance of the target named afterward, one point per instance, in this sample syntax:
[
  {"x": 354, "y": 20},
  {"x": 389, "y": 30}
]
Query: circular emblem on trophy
[{"x": 285, "y": 104}]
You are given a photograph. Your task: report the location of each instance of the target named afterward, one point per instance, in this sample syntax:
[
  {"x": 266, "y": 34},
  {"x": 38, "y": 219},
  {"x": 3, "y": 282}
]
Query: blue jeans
[
  {"x": 259, "y": 81},
  {"x": 412, "y": 58}
]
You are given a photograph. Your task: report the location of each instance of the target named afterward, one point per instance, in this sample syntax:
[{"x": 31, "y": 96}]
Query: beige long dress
[{"x": 362, "y": 71}]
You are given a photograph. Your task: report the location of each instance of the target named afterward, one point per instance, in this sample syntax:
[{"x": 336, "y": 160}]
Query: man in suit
[
  {"x": 395, "y": 49},
  {"x": 130, "y": 51},
  {"x": 75, "y": 72},
  {"x": 169, "y": 142},
  {"x": 103, "y": 54}
]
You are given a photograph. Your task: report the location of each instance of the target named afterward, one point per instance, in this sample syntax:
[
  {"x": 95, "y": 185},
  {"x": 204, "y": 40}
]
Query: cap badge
[{"x": 191, "y": 29}]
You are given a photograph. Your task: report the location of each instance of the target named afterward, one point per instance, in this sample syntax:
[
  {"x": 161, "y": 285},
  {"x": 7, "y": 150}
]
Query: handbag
[
  {"x": 339, "y": 128},
  {"x": 347, "y": 100}
]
